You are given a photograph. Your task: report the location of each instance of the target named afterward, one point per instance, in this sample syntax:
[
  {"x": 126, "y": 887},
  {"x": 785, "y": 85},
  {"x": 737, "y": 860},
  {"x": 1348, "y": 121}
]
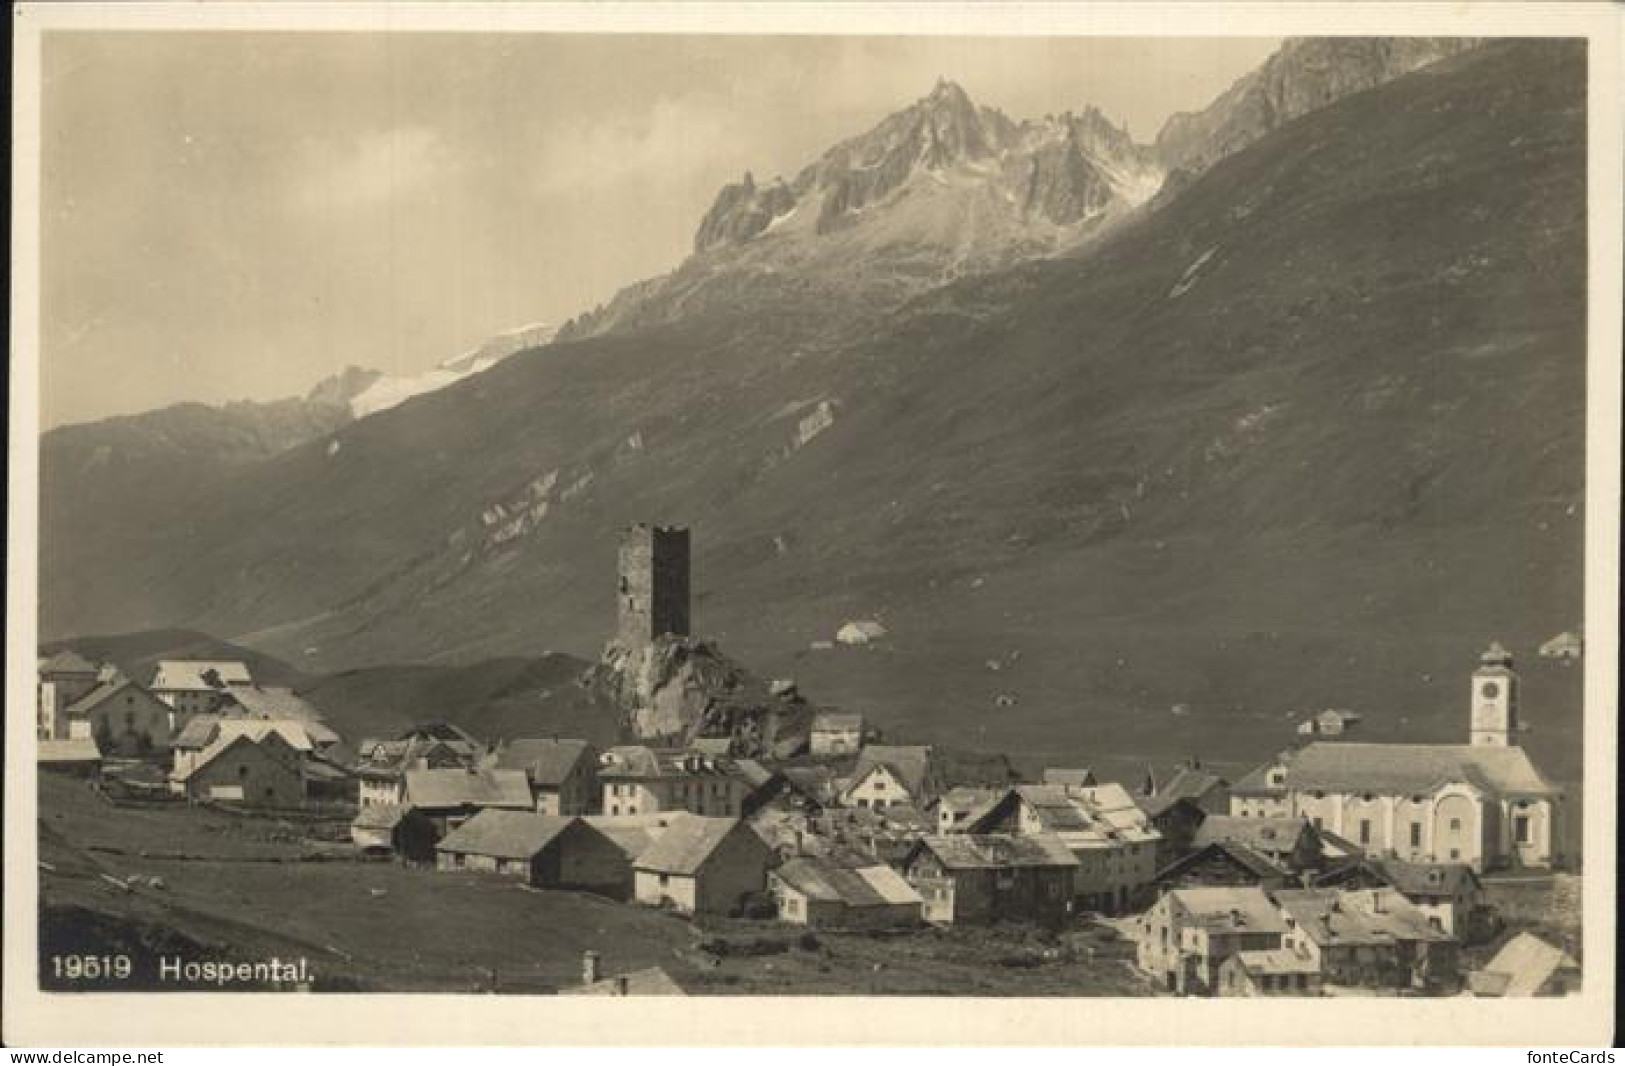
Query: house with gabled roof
[
  {"x": 1223, "y": 863},
  {"x": 1111, "y": 838},
  {"x": 450, "y": 796},
  {"x": 380, "y": 765},
  {"x": 1527, "y": 966},
  {"x": 1201, "y": 786},
  {"x": 197, "y": 686},
  {"x": 636, "y": 779},
  {"x": 824, "y": 894},
  {"x": 254, "y": 771},
  {"x": 124, "y": 719},
  {"x": 563, "y": 773},
  {"x": 701, "y": 865},
  {"x": 203, "y": 733},
  {"x": 543, "y": 850},
  {"x": 887, "y": 774},
  {"x": 1292, "y": 843},
  {"x": 1368, "y": 939},
  {"x": 1184, "y": 940},
  {"x": 652, "y": 981},
  {"x": 274, "y": 703},
  {"x": 1450, "y": 894},
  {"x": 64, "y": 678},
  {"x": 978, "y": 879},
  {"x": 384, "y": 829}
]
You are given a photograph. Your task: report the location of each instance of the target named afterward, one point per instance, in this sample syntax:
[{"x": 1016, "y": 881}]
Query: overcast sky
[{"x": 238, "y": 215}]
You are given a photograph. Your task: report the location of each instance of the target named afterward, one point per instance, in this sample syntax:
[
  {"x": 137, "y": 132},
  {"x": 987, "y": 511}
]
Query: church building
[{"x": 1482, "y": 803}]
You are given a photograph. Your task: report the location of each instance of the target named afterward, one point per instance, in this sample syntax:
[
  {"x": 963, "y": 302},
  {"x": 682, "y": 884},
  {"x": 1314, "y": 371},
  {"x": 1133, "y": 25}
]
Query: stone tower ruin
[{"x": 653, "y": 597}]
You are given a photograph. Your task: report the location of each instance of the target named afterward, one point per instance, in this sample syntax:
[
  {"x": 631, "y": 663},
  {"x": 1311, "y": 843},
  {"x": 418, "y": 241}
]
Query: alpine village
[{"x": 667, "y": 820}]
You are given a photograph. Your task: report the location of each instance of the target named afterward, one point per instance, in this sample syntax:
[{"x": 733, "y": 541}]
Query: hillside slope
[{"x": 1308, "y": 434}]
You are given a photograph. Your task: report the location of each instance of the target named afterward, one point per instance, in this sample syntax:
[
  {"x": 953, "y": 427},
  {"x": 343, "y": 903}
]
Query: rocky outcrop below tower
[{"x": 674, "y": 690}]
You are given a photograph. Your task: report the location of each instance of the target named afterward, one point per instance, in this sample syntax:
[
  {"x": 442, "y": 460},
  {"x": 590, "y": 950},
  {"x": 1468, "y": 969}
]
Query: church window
[
  {"x": 1520, "y": 829},
  {"x": 1416, "y": 834},
  {"x": 1455, "y": 825},
  {"x": 1365, "y": 830}
]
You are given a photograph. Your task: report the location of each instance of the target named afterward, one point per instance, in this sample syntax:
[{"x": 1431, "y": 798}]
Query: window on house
[
  {"x": 1455, "y": 853},
  {"x": 1520, "y": 828},
  {"x": 1365, "y": 830},
  {"x": 1416, "y": 834},
  {"x": 242, "y": 771},
  {"x": 1319, "y": 824},
  {"x": 1455, "y": 825},
  {"x": 665, "y": 879}
]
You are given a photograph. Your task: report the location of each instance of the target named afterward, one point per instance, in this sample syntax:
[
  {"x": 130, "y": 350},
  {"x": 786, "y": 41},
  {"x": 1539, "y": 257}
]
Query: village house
[
  {"x": 1202, "y": 787},
  {"x": 1223, "y": 864},
  {"x": 953, "y": 809},
  {"x": 1482, "y": 803},
  {"x": 64, "y": 678},
  {"x": 203, "y": 733},
  {"x": 1367, "y": 939},
  {"x": 124, "y": 719},
  {"x": 1175, "y": 818},
  {"x": 633, "y": 833},
  {"x": 836, "y": 733},
  {"x": 543, "y": 850},
  {"x": 255, "y": 771},
  {"x": 449, "y": 797},
  {"x": 278, "y": 704},
  {"x": 381, "y": 765},
  {"x": 1292, "y": 843},
  {"x": 1329, "y": 723},
  {"x": 703, "y": 865},
  {"x": 1109, "y": 836},
  {"x": 1449, "y": 893},
  {"x": 1188, "y": 935},
  {"x": 888, "y": 774},
  {"x": 641, "y": 780},
  {"x": 74, "y": 758},
  {"x": 385, "y": 829},
  {"x": 563, "y": 774},
  {"x": 1527, "y": 966},
  {"x": 196, "y": 686},
  {"x": 1565, "y": 646},
  {"x": 980, "y": 879},
  {"x": 648, "y": 982},
  {"x": 1277, "y": 972},
  {"x": 713, "y": 747},
  {"x": 822, "y": 894}
]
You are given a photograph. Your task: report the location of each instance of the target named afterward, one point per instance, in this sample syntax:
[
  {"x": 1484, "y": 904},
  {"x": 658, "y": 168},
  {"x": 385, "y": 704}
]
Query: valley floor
[{"x": 174, "y": 880}]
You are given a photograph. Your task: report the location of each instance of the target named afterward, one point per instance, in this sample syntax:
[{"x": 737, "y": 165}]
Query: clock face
[{"x": 1490, "y": 690}]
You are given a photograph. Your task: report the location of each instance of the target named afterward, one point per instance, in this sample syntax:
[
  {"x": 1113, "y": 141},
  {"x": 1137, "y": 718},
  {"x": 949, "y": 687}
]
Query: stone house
[
  {"x": 262, "y": 771},
  {"x": 563, "y": 774},
  {"x": 543, "y": 850},
  {"x": 1109, "y": 836},
  {"x": 701, "y": 865},
  {"x": 197, "y": 686},
  {"x": 1185, "y": 939},
  {"x": 205, "y": 732},
  {"x": 1223, "y": 864},
  {"x": 822, "y": 894},
  {"x": 980, "y": 879},
  {"x": 451, "y": 796},
  {"x": 1368, "y": 939},
  {"x": 1292, "y": 843},
  {"x": 124, "y": 719},
  {"x": 639, "y": 780},
  {"x": 1278, "y": 972},
  {"x": 888, "y": 774}
]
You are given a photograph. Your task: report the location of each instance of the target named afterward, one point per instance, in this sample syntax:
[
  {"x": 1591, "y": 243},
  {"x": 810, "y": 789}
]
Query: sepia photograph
[{"x": 906, "y": 510}]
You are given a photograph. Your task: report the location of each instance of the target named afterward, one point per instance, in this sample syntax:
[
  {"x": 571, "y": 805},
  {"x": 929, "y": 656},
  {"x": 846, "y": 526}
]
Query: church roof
[{"x": 1413, "y": 768}]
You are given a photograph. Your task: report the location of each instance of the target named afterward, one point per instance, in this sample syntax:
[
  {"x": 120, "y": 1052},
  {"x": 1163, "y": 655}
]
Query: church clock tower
[{"x": 1495, "y": 699}]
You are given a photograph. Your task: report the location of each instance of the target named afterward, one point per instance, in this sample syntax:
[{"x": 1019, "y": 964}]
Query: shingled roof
[
  {"x": 688, "y": 843},
  {"x": 1266, "y": 835},
  {"x": 910, "y": 764},
  {"x": 869, "y": 886},
  {"x": 76, "y": 750},
  {"x": 547, "y": 762},
  {"x": 199, "y": 675},
  {"x": 1331, "y": 917},
  {"x": 1427, "y": 879},
  {"x": 992, "y": 851},
  {"x": 454, "y": 787},
  {"x": 506, "y": 834},
  {"x": 1229, "y": 908}
]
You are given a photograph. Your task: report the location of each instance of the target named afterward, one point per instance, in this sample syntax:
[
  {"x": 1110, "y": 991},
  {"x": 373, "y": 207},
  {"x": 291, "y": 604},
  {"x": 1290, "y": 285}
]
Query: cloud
[{"x": 379, "y": 167}]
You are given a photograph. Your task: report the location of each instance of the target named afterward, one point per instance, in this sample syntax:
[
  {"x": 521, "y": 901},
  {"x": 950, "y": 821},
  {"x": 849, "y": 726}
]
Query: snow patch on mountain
[{"x": 388, "y": 391}]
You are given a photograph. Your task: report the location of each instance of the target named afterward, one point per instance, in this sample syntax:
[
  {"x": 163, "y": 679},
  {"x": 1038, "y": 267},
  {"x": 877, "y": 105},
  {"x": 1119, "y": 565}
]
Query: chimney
[{"x": 589, "y": 968}]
